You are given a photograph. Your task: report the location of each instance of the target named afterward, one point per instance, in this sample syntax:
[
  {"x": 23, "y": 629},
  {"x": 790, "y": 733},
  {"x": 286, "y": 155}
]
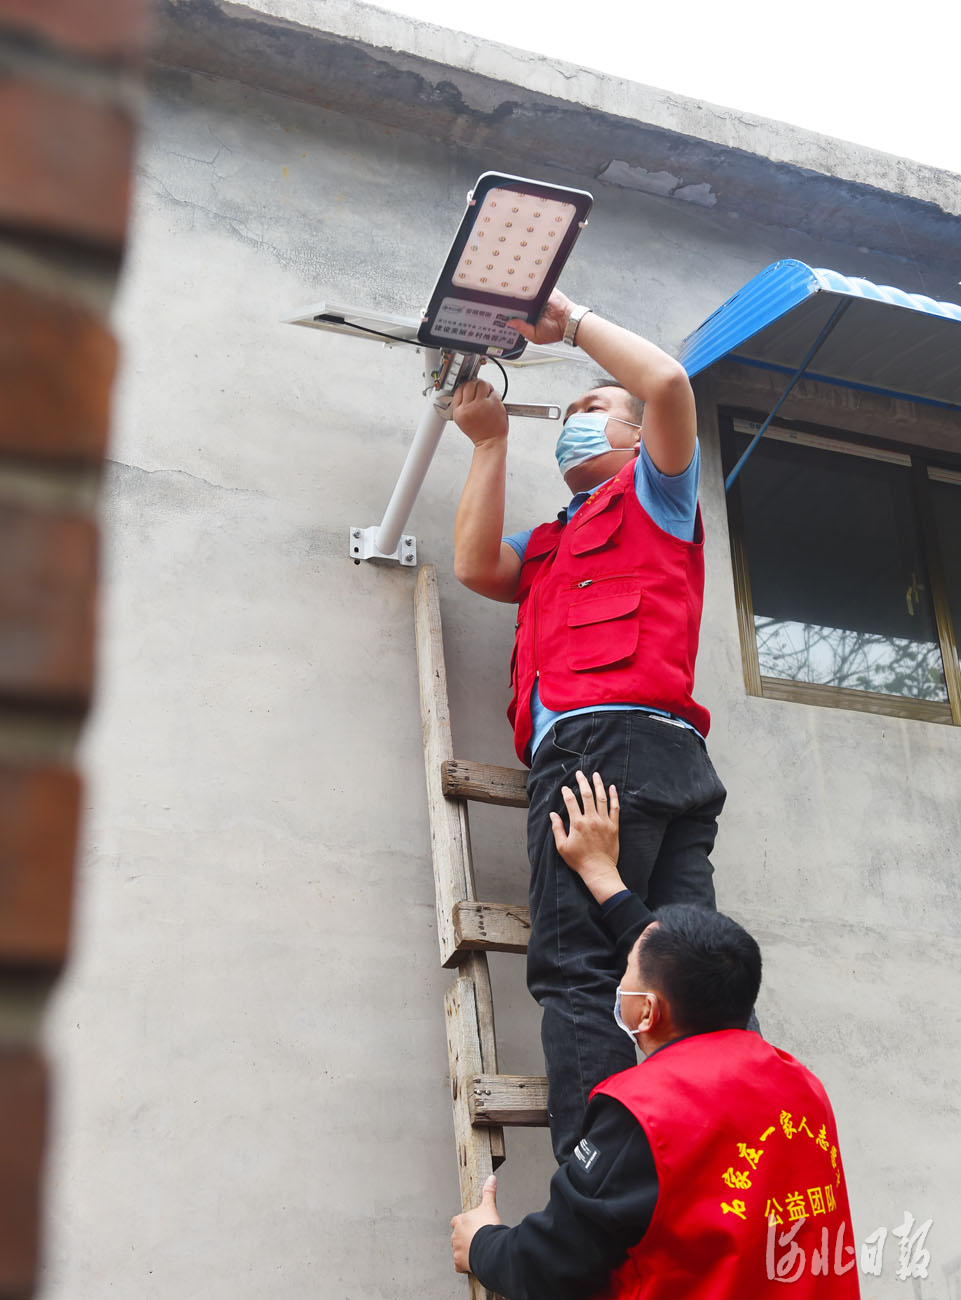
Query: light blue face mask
[
  {"x": 583, "y": 437},
  {"x": 619, "y": 1019}
]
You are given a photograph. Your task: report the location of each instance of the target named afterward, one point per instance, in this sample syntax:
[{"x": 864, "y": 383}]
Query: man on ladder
[{"x": 609, "y": 602}]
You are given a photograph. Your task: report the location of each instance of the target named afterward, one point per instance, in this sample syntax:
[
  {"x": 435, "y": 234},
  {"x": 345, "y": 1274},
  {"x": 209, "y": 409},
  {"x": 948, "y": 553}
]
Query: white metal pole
[{"x": 419, "y": 457}]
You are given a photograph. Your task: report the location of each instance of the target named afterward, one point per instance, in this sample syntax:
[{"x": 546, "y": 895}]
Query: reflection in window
[
  {"x": 837, "y": 568},
  {"x": 861, "y": 661},
  {"x": 945, "y": 489}
]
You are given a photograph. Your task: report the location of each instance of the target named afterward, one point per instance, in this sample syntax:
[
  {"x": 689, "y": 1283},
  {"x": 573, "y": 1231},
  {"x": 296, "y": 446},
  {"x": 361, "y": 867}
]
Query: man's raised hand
[
  {"x": 590, "y": 844},
  {"x": 478, "y": 411},
  {"x": 550, "y": 324}
]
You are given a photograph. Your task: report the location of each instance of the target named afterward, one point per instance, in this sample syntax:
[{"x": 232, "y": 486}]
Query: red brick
[
  {"x": 23, "y": 1110},
  {"x": 64, "y": 164},
  {"x": 39, "y": 814},
  {"x": 104, "y": 29},
  {"x": 56, "y": 367},
  {"x": 48, "y": 568}
]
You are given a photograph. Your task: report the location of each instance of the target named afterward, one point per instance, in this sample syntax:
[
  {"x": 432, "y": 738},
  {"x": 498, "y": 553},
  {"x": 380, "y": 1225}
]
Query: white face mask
[
  {"x": 583, "y": 437},
  {"x": 618, "y": 1018}
]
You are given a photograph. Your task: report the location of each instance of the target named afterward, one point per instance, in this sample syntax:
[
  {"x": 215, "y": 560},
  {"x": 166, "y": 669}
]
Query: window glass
[
  {"x": 838, "y": 579},
  {"x": 946, "y": 498}
]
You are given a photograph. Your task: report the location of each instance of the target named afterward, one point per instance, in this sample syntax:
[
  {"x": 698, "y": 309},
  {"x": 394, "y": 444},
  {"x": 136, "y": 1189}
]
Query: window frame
[{"x": 921, "y": 462}]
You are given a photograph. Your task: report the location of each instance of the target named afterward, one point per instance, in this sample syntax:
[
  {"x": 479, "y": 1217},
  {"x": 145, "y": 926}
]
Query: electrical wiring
[{"x": 504, "y": 373}]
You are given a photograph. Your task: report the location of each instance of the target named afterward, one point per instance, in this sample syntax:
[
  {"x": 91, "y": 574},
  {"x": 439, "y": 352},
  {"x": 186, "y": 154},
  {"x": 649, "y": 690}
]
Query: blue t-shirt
[{"x": 671, "y": 501}]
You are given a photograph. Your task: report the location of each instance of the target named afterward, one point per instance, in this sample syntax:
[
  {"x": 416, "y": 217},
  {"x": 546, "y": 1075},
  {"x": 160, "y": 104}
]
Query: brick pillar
[{"x": 69, "y": 90}]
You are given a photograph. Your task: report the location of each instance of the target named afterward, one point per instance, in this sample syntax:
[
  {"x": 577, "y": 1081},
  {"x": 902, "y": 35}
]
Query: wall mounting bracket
[{"x": 362, "y": 545}]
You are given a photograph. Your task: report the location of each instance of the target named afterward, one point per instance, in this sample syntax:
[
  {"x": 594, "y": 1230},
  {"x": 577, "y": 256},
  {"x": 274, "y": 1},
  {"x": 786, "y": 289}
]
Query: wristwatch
[{"x": 575, "y": 318}]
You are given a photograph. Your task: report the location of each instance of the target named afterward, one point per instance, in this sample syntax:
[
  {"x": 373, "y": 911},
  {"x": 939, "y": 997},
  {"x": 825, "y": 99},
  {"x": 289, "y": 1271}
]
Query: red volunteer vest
[
  {"x": 739, "y": 1130},
  {"x": 609, "y": 611}
]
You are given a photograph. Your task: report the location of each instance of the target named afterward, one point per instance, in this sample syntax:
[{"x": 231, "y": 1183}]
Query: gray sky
[{"x": 882, "y": 74}]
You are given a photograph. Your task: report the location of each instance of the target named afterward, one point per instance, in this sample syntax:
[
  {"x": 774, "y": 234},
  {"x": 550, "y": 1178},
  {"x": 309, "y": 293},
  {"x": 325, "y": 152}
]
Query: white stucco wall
[{"x": 251, "y": 1081}]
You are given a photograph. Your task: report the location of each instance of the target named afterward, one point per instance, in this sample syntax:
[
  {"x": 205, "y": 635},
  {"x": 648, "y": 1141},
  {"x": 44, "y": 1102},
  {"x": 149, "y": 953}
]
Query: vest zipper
[
  {"x": 610, "y": 577},
  {"x": 532, "y": 597},
  {"x": 537, "y": 671}
]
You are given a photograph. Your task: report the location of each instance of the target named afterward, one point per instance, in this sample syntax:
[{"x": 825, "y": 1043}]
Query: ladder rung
[
  {"x": 519, "y": 1100},
  {"x": 492, "y": 927},
  {"x": 484, "y": 782}
]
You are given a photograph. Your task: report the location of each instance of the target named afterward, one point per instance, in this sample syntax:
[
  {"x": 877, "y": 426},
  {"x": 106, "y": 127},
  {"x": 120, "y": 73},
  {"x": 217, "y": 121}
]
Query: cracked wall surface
[
  {"x": 254, "y": 1100},
  {"x": 450, "y": 87}
]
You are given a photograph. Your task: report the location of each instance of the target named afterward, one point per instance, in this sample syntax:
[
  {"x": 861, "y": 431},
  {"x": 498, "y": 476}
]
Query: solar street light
[
  {"x": 507, "y": 255},
  {"x": 509, "y": 250}
]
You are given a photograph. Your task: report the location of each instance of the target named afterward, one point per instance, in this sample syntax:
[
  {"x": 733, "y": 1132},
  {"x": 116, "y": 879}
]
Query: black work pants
[{"x": 670, "y": 799}]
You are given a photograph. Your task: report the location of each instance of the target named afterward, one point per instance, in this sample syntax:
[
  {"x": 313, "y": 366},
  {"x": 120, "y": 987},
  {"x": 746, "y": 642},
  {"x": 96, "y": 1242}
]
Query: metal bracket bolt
[{"x": 362, "y": 545}]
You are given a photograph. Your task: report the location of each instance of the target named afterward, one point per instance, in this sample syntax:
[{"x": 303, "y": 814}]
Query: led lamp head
[{"x": 506, "y": 257}]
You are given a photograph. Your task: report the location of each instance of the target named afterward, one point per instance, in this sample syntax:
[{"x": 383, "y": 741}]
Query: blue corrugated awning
[{"x": 886, "y": 340}]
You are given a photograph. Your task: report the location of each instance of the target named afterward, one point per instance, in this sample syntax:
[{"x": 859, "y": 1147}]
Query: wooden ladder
[{"x": 483, "y": 1101}]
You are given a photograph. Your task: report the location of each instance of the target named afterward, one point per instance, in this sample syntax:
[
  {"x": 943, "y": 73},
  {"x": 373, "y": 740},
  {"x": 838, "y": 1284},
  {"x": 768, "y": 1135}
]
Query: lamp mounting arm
[{"x": 444, "y": 371}]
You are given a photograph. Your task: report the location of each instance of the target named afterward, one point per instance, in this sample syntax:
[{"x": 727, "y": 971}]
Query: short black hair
[
  {"x": 637, "y": 406},
  {"x": 706, "y": 965}
]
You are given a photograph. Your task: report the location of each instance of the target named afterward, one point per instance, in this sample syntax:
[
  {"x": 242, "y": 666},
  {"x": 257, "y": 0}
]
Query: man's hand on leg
[{"x": 590, "y": 844}]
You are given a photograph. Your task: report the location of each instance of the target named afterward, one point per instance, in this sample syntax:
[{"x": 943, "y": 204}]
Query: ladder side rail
[
  {"x": 453, "y": 883},
  {"x": 474, "y": 1157},
  {"x": 450, "y": 836}
]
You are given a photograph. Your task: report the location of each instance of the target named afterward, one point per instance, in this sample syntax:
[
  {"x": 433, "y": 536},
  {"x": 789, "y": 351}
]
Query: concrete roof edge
[{"x": 354, "y": 58}]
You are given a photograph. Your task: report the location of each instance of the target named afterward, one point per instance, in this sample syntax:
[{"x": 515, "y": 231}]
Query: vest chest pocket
[
  {"x": 603, "y": 628},
  {"x": 592, "y": 529}
]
